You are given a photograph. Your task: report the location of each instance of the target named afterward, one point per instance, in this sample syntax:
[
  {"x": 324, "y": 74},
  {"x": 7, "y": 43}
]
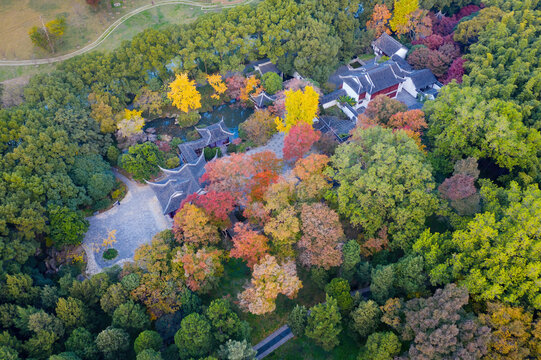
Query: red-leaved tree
[
  {"x": 248, "y": 244},
  {"x": 217, "y": 205},
  {"x": 245, "y": 177},
  {"x": 299, "y": 140}
]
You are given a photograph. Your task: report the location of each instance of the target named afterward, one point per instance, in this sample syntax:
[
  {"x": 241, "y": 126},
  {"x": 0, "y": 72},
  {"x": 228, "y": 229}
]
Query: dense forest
[{"x": 418, "y": 238}]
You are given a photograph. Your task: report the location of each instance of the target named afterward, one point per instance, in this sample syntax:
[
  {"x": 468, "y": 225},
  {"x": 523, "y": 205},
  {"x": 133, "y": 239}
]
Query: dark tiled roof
[
  {"x": 337, "y": 126},
  {"x": 423, "y": 78},
  {"x": 354, "y": 82},
  {"x": 333, "y": 96},
  {"x": 263, "y": 99},
  {"x": 178, "y": 184},
  {"x": 209, "y": 135},
  {"x": 268, "y": 67},
  {"x": 382, "y": 78},
  {"x": 353, "y": 111},
  {"x": 387, "y": 44},
  {"x": 402, "y": 64}
]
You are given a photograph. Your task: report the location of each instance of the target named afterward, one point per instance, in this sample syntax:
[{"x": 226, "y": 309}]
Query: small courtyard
[{"x": 136, "y": 220}]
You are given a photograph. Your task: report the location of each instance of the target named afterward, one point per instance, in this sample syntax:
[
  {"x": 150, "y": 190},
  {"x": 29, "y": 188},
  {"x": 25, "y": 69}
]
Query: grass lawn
[
  {"x": 153, "y": 18},
  {"x": 11, "y": 72},
  {"x": 304, "y": 348}
]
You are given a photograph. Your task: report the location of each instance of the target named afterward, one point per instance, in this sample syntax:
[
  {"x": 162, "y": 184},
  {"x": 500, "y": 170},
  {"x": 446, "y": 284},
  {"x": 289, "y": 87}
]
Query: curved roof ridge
[{"x": 221, "y": 127}]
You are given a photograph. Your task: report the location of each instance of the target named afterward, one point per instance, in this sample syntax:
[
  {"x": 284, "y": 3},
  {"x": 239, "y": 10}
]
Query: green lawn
[{"x": 153, "y": 18}]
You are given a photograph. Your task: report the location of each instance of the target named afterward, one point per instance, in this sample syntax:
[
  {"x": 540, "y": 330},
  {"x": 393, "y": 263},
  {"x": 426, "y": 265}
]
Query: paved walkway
[
  {"x": 112, "y": 27},
  {"x": 275, "y": 144},
  {"x": 136, "y": 220}
]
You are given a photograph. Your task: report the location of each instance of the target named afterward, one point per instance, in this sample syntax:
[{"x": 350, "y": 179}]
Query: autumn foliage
[
  {"x": 248, "y": 244},
  {"x": 217, "y": 205},
  {"x": 379, "y": 22},
  {"x": 217, "y": 84},
  {"x": 193, "y": 226},
  {"x": 314, "y": 183},
  {"x": 322, "y": 236},
  {"x": 268, "y": 280},
  {"x": 183, "y": 93},
  {"x": 300, "y": 106},
  {"x": 202, "y": 268},
  {"x": 299, "y": 140},
  {"x": 251, "y": 86},
  {"x": 246, "y": 177}
]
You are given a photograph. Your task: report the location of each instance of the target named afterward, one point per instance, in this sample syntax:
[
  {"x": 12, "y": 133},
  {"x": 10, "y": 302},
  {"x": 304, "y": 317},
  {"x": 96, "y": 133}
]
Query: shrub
[
  {"x": 172, "y": 162},
  {"x": 110, "y": 254},
  {"x": 211, "y": 152}
]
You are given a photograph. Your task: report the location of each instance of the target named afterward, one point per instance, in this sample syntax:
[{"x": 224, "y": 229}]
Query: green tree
[
  {"x": 194, "y": 338},
  {"x": 272, "y": 82},
  {"x": 71, "y": 311},
  {"x": 224, "y": 322},
  {"x": 382, "y": 284},
  {"x": 381, "y": 346},
  {"x": 237, "y": 350},
  {"x": 81, "y": 342},
  {"x": 149, "y": 354},
  {"x": 494, "y": 255},
  {"x": 384, "y": 181},
  {"x": 142, "y": 160},
  {"x": 112, "y": 342},
  {"x": 67, "y": 227},
  {"x": 462, "y": 123},
  {"x": 315, "y": 50},
  {"x": 324, "y": 324},
  {"x": 366, "y": 318},
  {"x": 130, "y": 316},
  {"x": 115, "y": 295},
  {"x": 351, "y": 254},
  {"x": 147, "y": 339},
  {"x": 340, "y": 290},
  {"x": 297, "y": 320}
]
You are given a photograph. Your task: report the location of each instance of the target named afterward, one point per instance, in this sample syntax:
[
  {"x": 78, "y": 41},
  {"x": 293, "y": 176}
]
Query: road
[{"x": 111, "y": 28}]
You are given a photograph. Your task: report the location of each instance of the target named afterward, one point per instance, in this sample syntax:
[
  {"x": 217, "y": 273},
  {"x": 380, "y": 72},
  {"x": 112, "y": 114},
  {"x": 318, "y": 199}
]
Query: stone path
[
  {"x": 113, "y": 26},
  {"x": 136, "y": 220},
  {"x": 275, "y": 144}
]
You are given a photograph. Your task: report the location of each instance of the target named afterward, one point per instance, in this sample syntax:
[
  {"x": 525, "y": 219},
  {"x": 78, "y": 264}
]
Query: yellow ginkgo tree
[
  {"x": 183, "y": 93},
  {"x": 301, "y": 107},
  {"x": 217, "y": 84}
]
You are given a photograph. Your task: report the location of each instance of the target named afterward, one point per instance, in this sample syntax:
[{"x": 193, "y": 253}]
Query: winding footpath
[{"x": 113, "y": 26}]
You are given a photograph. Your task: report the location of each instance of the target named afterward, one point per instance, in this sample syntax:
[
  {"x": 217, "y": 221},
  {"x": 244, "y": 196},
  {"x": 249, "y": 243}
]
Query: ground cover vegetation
[{"x": 416, "y": 239}]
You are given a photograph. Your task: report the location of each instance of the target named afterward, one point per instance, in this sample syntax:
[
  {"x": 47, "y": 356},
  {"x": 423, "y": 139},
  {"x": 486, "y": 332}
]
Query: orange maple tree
[
  {"x": 268, "y": 280},
  {"x": 248, "y": 244},
  {"x": 202, "y": 268},
  {"x": 217, "y": 205},
  {"x": 314, "y": 182},
  {"x": 379, "y": 22},
  {"x": 192, "y": 225}
]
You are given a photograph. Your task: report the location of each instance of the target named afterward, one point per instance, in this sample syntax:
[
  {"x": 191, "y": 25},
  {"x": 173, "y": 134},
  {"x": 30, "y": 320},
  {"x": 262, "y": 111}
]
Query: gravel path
[
  {"x": 112, "y": 27},
  {"x": 136, "y": 220}
]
